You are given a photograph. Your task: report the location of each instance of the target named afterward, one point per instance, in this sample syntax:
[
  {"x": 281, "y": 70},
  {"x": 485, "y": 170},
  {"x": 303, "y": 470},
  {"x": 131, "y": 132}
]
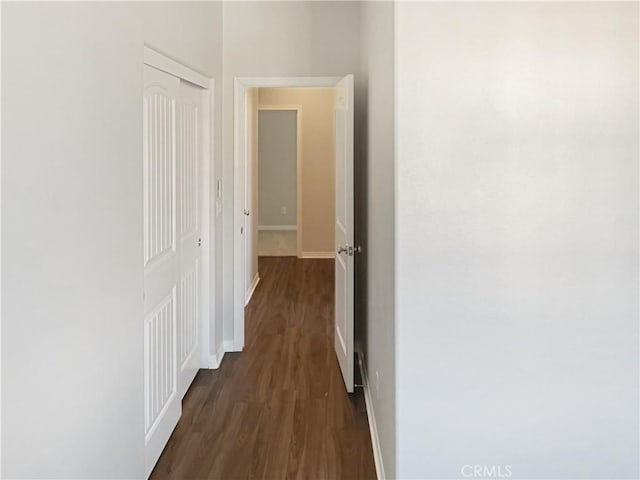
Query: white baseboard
[
  {"x": 373, "y": 426},
  {"x": 317, "y": 255},
  {"x": 216, "y": 359},
  {"x": 252, "y": 288},
  {"x": 277, "y": 228}
]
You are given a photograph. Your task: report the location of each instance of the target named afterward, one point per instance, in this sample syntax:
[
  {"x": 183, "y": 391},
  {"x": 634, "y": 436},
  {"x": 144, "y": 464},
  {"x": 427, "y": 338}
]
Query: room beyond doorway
[{"x": 290, "y": 184}]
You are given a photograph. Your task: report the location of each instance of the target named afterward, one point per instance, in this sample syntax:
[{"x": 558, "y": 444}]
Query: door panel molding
[{"x": 160, "y": 374}]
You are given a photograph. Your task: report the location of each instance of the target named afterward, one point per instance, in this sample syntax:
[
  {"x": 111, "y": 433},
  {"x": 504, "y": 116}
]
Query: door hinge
[
  {"x": 349, "y": 250},
  {"x": 199, "y": 242}
]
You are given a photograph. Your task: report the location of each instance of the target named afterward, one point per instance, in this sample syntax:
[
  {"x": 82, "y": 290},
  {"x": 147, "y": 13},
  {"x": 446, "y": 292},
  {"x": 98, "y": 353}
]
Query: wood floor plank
[{"x": 279, "y": 409}]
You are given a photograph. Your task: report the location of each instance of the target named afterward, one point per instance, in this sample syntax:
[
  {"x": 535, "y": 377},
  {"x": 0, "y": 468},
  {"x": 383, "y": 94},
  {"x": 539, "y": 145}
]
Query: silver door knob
[{"x": 247, "y": 212}]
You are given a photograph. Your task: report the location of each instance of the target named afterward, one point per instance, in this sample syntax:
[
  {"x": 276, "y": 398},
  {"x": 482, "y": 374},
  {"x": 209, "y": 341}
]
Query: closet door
[
  {"x": 189, "y": 230},
  {"x": 162, "y": 400}
]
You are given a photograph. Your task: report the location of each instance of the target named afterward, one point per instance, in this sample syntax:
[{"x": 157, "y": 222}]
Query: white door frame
[
  {"x": 298, "y": 110},
  {"x": 160, "y": 61},
  {"x": 239, "y": 180}
]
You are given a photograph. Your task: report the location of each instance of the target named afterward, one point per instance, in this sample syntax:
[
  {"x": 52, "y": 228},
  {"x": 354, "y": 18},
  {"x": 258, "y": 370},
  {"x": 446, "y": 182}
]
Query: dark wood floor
[{"x": 278, "y": 409}]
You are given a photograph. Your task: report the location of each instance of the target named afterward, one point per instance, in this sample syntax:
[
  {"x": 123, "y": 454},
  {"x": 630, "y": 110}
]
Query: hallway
[{"x": 278, "y": 409}]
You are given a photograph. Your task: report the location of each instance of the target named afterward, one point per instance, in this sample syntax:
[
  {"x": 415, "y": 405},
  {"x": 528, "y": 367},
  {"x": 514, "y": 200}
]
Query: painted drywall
[
  {"x": 277, "y": 167},
  {"x": 517, "y": 239},
  {"x": 376, "y": 206},
  {"x": 317, "y": 163},
  {"x": 72, "y": 278},
  {"x": 278, "y": 39},
  {"x": 251, "y": 197}
]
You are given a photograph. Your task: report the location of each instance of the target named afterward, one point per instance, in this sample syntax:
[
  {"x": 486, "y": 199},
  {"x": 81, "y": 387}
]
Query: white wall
[
  {"x": 517, "y": 240},
  {"x": 72, "y": 276},
  {"x": 278, "y": 39},
  {"x": 277, "y": 167},
  {"x": 377, "y": 205}
]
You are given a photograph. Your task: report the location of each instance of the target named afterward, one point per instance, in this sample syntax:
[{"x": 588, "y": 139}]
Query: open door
[{"x": 345, "y": 249}]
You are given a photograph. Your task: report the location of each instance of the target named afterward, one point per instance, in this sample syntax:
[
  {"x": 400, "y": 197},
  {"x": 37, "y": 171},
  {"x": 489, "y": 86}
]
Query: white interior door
[
  {"x": 344, "y": 229},
  {"x": 189, "y": 116},
  {"x": 161, "y": 263}
]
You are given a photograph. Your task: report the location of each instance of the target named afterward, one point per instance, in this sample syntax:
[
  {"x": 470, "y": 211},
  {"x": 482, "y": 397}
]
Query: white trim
[
  {"x": 252, "y": 288},
  {"x": 277, "y": 228},
  {"x": 209, "y": 224},
  {"x": 0, "y": 259},
  {"x": 292, "y": 82},
  {"x": 215, "y": 360},
  {"x": 298, "y": 110},
  {"x": 318, "y": 255},
  {"x": 279, "y": 107},
  {"x": 239, "y": 182},
  {"x": 241, "y": 84},
  {"x": 163, "y": 62},
  {"x": 373, "y": 426}
]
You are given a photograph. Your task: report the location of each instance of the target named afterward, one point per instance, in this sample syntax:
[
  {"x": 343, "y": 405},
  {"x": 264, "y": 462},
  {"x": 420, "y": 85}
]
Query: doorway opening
[
  {"x": 294, "y": 193},
  {"x": 277, "y": 169}
]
